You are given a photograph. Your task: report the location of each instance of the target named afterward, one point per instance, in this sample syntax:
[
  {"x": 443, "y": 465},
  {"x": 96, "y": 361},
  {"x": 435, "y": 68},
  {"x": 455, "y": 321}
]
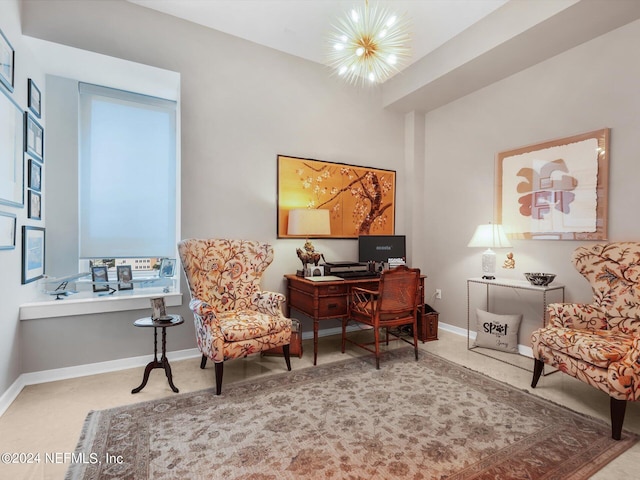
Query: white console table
[{"x": 489, "y": 285}]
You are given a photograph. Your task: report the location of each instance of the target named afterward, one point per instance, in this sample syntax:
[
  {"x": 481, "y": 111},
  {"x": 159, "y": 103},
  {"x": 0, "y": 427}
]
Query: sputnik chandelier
[{"x": 368, "y": 45}]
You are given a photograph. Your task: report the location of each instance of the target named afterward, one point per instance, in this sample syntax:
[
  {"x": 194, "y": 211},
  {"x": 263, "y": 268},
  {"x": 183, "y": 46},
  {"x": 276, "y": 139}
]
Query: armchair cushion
[{"x": 247, "y": 324}]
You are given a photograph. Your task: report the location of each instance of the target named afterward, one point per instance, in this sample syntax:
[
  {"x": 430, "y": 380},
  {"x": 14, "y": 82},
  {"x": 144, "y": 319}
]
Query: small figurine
[
  {"x": 309, "y": 255},
  {"x": 509, "y": 263}
]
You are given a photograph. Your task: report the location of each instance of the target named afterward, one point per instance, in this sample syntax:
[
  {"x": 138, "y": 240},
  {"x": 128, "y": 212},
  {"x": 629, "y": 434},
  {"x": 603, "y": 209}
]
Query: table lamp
[
  {"x": 489, "y": 236},
  {"x": 306, "y": 222}
]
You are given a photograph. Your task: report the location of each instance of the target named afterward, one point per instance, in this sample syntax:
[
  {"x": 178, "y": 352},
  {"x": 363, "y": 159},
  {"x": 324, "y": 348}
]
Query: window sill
[{"x": 87, "y": 303}]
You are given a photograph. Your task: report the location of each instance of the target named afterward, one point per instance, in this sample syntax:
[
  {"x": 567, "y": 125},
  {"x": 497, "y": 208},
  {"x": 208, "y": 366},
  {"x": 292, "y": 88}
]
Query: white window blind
[{"x": 127, "y": 174}]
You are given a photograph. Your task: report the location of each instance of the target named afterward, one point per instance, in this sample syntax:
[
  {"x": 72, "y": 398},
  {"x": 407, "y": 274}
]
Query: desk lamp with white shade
[{"x": 489, "y": 236}]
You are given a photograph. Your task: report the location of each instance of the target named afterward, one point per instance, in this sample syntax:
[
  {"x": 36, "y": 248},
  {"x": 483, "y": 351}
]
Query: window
[{"x": 128, "y": 174}]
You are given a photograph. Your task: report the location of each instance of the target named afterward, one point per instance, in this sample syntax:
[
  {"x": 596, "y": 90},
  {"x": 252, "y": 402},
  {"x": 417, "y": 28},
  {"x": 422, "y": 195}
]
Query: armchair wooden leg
[
  {"x": 618, "y": 408},
  {"x": 219, "y": 369},
  {"x": 538, "y": 365},
  {"x": 287, "y": 359},
  {"x": 203, "y": 362},
  {"x": 415, "y": 339}
]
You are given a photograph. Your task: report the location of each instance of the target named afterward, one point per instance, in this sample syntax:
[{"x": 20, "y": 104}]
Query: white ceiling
[{"x": 300, "y": 27}]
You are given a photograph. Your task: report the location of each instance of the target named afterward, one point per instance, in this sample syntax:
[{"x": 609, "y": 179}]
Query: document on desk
[{"x": 326, "y": 278}]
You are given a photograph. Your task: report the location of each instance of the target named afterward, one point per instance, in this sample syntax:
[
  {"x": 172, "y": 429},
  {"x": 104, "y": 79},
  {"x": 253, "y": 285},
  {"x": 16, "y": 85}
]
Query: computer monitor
[{"x": 380, "y": 248}]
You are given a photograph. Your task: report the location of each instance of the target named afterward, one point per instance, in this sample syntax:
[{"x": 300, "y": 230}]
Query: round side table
[{"x": 171, "y": 321}]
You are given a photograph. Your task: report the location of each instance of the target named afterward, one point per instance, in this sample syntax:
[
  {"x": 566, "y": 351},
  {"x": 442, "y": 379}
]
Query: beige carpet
[{"x": 430, "y": 419}]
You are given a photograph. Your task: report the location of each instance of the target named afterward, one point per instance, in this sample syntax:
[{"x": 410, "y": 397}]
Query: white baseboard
[{"x": 56, "y": 374}]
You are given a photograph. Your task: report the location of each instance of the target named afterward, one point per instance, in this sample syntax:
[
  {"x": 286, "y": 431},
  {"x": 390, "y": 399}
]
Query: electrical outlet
[{"x": 438, "y": 294}]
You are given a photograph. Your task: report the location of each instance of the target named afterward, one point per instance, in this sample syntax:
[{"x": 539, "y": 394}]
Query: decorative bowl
[{"x": 540, "y": 279}]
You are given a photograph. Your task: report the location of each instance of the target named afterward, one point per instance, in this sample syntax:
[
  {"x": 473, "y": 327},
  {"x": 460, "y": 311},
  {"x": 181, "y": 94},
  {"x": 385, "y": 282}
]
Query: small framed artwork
[
  {"x": 35, "y": 206},
  {"x": 11, "y": 151},
  {"x": 158, "y": 308},
  {"x": 167, "y": 267},
  {"x": 7, "y": 231},
  {"x": 124, "y": 277},
  {"x": 100, "y": 277},
  {"x": 34, "y": 137},
  {"x": 33, "y": 249},
  {"x": 34, "y": 100},
  {"x": 7, "y": 62},
  {"x": 35, "y": 175}
]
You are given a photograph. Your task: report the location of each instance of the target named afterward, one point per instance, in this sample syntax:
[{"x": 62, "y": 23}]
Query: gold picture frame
[
  {"x": 556, "y": 190},
  {"x": 361, "y": 200}
]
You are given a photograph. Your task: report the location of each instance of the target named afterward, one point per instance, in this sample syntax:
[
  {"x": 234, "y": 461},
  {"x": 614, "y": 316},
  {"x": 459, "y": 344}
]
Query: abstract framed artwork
[
  {"x": 33, "y": 250},
  {"x": 556, "y": 190},
  {"x": 7, "y": 231},
  {"x": 34, "y": 210},
  {"x": 361, "y": 200},
  {"x": 35, "y": 175},
  {"x": 7, "y": 62},
  {"x": 11, "y": 152}
]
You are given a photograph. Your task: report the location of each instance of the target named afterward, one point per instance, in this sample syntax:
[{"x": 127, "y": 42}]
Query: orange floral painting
[{"x": 361, "y": 200}]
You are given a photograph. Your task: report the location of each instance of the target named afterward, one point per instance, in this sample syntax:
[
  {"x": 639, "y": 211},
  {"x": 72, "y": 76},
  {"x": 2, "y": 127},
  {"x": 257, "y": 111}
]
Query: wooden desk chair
[{"x": 394, "y": 304}]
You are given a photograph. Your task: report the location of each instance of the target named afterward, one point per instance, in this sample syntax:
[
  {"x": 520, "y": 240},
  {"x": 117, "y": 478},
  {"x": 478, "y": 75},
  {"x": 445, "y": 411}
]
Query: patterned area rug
[{"x": 430, "y": 419}]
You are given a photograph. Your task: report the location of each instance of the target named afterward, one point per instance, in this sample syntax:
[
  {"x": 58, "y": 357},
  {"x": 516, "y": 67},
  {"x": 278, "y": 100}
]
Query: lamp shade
[
  {"x": 489, "y": 236},
  {"x": 309, "y": 221}
]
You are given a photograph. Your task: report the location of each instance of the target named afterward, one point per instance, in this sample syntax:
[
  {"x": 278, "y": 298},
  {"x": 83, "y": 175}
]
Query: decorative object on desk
[
  {"x": 315, "y": 271},
  {"x": 510, "y": 262},
  {"x": 369, "y": 44},
  {"x": 34, "y": 98},
  {"x": 100, "y": 277},
  {"x": 555, "y": 190},
  {"x": 34, "y": 140},
  {"x": 167, "y": 267},
  {"x": 7, "y": 231},
  {"x": 440, "y": 420},
  {"x": 498, "y": 332},
  {"x": 158, "y": 310},
  {"x": 11, "y": 152},
  {"x": 124, "y": 277},
  {"x": 489, "y": 236},
  {"x": 33, "y": 251},
  {"x": 540, "y": 279},
  {"x": 308, "y": 222},
  {"x": 7, "y": 62},
  {"x": 361, "y": 199}
]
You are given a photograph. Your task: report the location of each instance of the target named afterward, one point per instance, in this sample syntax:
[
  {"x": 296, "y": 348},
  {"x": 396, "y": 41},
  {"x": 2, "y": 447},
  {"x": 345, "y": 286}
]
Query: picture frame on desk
[
  {"x": 100, "y": 274},
  {"x": 124, "y": 277}
]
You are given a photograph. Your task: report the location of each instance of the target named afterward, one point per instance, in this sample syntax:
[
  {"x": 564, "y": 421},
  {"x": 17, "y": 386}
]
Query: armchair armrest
[
  {"x": 576, "y": 316},
  {"x": 624, "y": 376},
  {"x": 268, "y": 302},
  {"x": 208, "y": 334}
]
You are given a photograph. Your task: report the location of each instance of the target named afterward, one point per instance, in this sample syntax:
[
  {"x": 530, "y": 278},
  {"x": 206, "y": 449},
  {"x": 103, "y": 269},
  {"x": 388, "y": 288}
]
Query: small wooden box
[
  {"x": 427, "y": 324},
  {"x": 295, "y": 347}
]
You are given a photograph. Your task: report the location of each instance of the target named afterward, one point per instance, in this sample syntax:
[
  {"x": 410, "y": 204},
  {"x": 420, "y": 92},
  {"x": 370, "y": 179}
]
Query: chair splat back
[
  {"x": 224, "y": 273},
  {"x": 398, "y": 292}
]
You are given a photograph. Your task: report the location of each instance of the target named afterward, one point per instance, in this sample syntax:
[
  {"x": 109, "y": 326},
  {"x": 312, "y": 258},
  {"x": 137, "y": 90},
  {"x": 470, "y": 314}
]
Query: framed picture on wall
[
  {"x": 360, "y": 200},
  {"x": 11, "y": 151},
  {"x": 100, "y": 277},
  {"x": 34, "y": 100},
  {"x": 35, "y": 175},
  {"x": 35, "y": 206},
  {"x": 7, "y": 231},
  {"x": 33, "y": 250},
  {"x": 34, "y": 137},
  {"x": 7, "y": 62},
  {"x": 555, "y": 190}
]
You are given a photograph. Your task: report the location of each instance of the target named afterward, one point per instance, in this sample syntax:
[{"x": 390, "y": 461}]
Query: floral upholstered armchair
[
  {"x": 599, "y": 343},
  {"x": 233, "y": 317}
]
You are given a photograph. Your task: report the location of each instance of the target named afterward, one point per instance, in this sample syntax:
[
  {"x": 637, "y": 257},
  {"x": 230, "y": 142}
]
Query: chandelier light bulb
[{"x": 368, "y": 44}]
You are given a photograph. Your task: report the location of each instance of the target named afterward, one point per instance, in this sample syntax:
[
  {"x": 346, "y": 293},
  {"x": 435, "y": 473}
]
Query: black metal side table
[{"x": 171, "y": 321}]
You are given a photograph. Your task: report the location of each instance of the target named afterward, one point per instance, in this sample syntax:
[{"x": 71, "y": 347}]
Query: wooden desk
[{"x": 328, "y": 300}]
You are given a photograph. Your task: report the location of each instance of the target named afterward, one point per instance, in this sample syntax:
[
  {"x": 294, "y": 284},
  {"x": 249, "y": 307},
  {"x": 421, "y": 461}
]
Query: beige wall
[{"x": 590, "y": 87}]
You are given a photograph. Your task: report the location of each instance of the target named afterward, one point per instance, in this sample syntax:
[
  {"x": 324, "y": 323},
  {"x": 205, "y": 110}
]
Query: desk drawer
[
  {"x": 328, "y": 305},
  {"x": 335, "y": 306}
]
